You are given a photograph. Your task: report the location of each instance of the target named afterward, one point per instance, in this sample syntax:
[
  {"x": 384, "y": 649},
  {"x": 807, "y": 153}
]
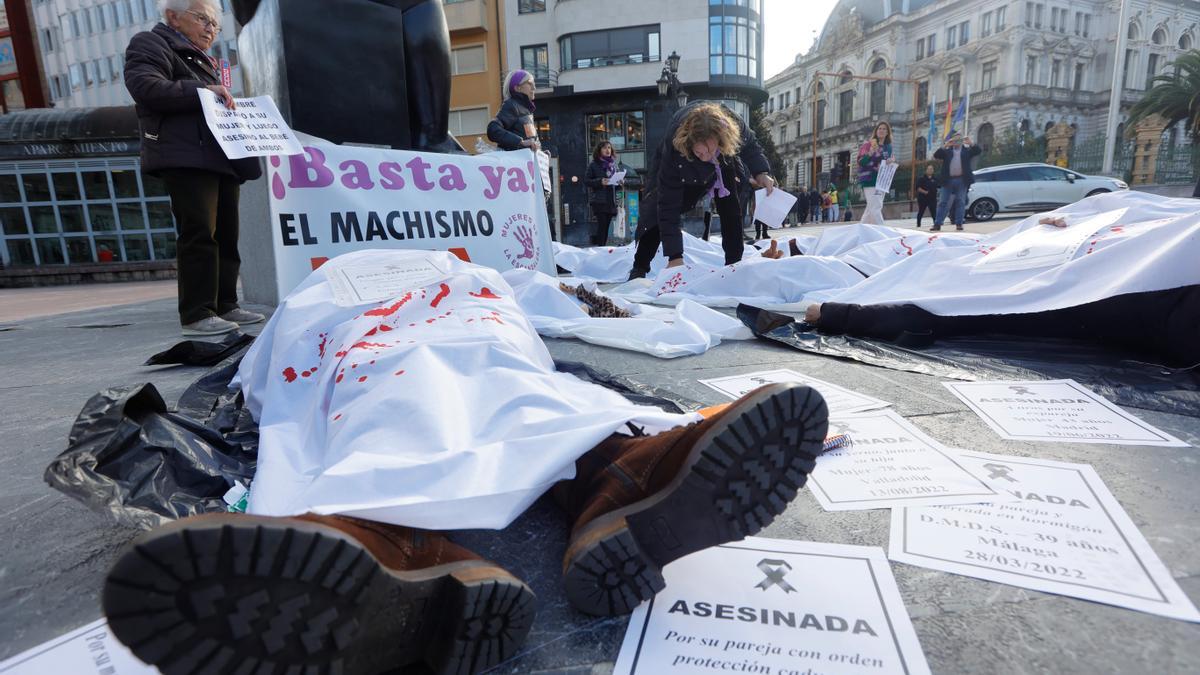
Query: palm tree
[{"x": 1175, "y": 96}]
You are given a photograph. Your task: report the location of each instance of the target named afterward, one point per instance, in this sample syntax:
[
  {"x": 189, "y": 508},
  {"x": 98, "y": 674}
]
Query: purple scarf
[
  {"x": 610, "y": 165},
  {"x": 718, "y": 189}
]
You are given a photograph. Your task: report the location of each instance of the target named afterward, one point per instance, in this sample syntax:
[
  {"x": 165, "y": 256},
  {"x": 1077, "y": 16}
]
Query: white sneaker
[
  {"x": 243, "y": 317},
  {"x": 209, "y": 326}
]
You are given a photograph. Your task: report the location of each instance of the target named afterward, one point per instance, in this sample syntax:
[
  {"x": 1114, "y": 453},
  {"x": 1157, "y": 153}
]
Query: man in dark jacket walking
[
  {"x": 814, "y": 205},
  {"x": 801, "y": 206},
  {"x": 164, "y": 69},
  {"x": 956, "y": 179}
]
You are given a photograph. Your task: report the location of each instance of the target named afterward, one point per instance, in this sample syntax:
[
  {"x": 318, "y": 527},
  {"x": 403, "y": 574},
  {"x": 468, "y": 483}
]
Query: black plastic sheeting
[
  {"x": 1124, "y": 381},
  {"x": 131, "y": 458},
  {"x": 201, "y": 352}
]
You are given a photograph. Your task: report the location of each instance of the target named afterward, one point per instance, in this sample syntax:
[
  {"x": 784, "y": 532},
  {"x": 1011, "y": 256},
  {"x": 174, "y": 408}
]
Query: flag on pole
[
  {"x": 959, "y": 115},
  {"x": 967, "y": 124},
  {"x": 932, "y": 127},
  {"x": 949, "y": 113}
]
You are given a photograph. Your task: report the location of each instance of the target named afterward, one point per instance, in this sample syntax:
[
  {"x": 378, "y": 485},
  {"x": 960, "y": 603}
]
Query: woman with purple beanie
[{"x": 513, "y": 127}]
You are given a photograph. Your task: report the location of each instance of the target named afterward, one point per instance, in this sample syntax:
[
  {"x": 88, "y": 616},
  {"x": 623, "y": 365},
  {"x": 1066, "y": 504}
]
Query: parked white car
[{"x": 1031, "y": 187}]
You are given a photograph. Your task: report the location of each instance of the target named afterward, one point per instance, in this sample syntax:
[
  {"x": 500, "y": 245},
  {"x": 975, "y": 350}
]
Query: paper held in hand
[
  {"x": 887, "y": 172},
  {"x": 774, "y": 208},
  {"x": 616, "y": 178},
  {"x": 774, "y": 606},
  {"x": 254, "y": 129},
  {"x": 1064, "y": 534}
]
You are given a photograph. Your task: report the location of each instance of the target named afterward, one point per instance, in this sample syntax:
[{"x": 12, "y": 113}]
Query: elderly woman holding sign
[
  {"x": 164, "y": 69},
  {"x": 872, "y": 156},
  {"x": 513, "y": 128}
]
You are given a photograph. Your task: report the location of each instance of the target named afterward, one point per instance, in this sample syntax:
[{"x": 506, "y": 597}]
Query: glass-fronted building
[{"x": 72, "y": 191}]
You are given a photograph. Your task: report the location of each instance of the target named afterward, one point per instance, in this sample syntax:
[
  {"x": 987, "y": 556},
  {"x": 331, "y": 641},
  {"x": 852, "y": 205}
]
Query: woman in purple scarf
[{"x": 604, "y": 192}]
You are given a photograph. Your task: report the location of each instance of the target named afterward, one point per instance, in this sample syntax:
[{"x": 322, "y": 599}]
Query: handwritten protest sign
[{"x": 254, "y": 129}]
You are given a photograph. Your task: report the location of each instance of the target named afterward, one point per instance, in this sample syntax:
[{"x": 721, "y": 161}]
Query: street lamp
[{"x": 668, "y": 82}]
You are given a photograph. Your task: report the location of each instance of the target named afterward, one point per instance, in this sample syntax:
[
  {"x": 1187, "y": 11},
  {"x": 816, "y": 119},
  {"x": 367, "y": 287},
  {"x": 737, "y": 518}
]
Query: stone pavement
[{"x": 57, "y": 551}]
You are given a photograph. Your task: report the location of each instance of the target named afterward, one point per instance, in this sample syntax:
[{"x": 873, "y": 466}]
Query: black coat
[
  {"x": 930, "y": 185},
  {"x": 513, "y": 124},
  {"x": 162, "y": 73},
  {"x": 801, "y": 205},
  {"x": 814, "y": 199},
  {"x": 968, "y": 154},
  {"x": 603, "y": 198},
  {"x": 678, "y": 183}
]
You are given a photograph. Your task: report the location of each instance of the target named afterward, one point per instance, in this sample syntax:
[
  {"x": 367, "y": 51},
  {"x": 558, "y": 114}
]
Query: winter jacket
[
  {"x": 946, "y": 154},
  {"x": 930, "y": 185},
  {"x": 603, "y": 198},
  {"x": 163, "y": 72},
  {"x": 513, "y": 124},
  {"x": 678, "y": 183}
]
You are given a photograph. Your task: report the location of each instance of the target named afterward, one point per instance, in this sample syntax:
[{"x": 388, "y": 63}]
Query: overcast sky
[{"x": 791, "y": 27}]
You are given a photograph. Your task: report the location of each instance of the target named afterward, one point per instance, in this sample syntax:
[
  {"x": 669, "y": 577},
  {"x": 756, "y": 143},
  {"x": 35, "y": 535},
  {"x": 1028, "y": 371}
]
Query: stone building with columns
[{"x": 1027, "y": 65}]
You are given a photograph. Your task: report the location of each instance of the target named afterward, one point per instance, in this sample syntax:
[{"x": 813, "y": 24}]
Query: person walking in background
[
  {"x": 847, "y": 214},
  {"x": 164, "y": 68},
  {"x": 707, "y": 150},
  {"x": 834, "y": 211},
  {"x": 927, "y": 194},
  {"x": 513, "y": 127},
  {"x": 802, "y": 207},
  {"x": 957, "y": 177},
  {"x": 603, "y": 192},
  {"x": 826, "y": 203},
  {"x": 814, "y": 204},
  {"x": 872, "y": 155}
]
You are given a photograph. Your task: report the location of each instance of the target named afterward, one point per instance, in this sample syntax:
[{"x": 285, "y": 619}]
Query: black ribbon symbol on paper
[
  {"x": 999, "y": 471},
  {"x": 839, "y": 428},
  {"x": 775, "y": 570},
  {"x": 1024, "y": 391}
]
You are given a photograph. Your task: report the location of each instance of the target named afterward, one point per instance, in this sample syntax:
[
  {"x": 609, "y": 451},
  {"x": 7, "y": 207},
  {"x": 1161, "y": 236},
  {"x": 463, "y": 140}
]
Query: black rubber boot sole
[
  {"x": 244, "y": 594},
  {"x": 739, "y": 476}
]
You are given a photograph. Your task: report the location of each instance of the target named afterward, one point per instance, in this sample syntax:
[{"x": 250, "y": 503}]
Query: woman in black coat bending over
[
  {"x": 604, "y": 193},
  {"x": 513, "y": 127},
  {"x": 707, "y": 149}
]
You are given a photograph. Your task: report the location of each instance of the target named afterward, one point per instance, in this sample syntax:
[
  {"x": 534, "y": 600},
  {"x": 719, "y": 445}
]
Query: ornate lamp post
[{"x": 668, "y": 82}]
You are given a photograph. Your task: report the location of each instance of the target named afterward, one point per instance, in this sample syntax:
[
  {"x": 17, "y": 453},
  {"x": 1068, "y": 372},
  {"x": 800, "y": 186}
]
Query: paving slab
[{"x": 58, "y": 551}]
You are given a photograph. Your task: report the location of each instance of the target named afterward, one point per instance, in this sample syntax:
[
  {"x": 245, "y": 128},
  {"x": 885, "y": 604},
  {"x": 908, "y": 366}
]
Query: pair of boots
[{"x": 234, "y": 593}]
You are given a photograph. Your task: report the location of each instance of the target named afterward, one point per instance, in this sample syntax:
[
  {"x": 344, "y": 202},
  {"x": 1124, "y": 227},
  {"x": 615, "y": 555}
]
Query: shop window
[
  {"x": 137, "y": 247},
  {"x": 79, "y": 251},
  {"x": 37, "y": 188},
  {"x": 42, "y": 219},
  {"x": 9, "y": 192},
  {"x": 164, "y": 246},
  {"x": 12, "y": 221},
  {"x": 153, "y": 186},
  {"x": 102, "y": 218},
  {"x": 20, "y": 252},
  {"x": 50, "y": 251},
  {"x": 130, "y": 217},
  {"x": 125, "y": 184},
  {"x": 160, "y": 215},
  {"x": 95, "y": 184},
  {"x": 72, "y": 218},
  {"x": 66, "y": 186}
]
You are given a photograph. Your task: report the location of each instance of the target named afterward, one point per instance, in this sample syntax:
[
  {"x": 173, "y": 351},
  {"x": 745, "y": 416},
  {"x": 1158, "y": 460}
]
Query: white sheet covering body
[
  {"x": 1126, "y": 242},
  {"x": 439, "y": 408},
  {"x": 611, "y": 264}
]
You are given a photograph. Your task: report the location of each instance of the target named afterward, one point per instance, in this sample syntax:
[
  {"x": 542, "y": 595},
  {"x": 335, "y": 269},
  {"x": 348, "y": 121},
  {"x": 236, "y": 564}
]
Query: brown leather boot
[
  {"x": 639, "y": 503},
  {"x": 226, "y": 593}
]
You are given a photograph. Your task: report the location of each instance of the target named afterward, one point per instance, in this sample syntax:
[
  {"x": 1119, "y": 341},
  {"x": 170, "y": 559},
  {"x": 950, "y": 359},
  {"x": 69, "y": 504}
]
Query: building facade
[
  {"x": 1026, "y": 65},
  {"x": 21, "y": 83},
  {"x": 597, "y": 67},
  {"x": 83, "y": 47},
  {"x": 477, "y": 64}
]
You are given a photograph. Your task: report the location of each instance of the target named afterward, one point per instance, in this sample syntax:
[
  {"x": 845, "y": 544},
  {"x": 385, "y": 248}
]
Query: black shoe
[
  {"x": 936, "y": 228},
  {"x": 958, "y": 227},
  {"x": 637, "y": 274}
]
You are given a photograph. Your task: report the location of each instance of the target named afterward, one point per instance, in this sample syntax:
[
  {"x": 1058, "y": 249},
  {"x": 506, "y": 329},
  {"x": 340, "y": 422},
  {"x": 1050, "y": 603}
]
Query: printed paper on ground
[
  {"x": 1065, "y": 534},
  {"x": 839, "y": 399},
  {"x": 753, "y": 606}
]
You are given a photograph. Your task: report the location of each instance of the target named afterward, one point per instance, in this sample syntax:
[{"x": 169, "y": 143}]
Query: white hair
[{"x": 184, "y": 5}]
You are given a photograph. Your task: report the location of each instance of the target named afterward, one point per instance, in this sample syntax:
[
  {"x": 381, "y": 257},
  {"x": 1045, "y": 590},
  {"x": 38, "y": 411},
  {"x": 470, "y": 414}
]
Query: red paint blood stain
[
  {"x": 321, "y": 347},
  {"x": 391, "y": 309},
  {"x": 445, "y": 291},
  {"x": 932, "y": 238},
  {"x": 470, "y": 320},
  {"x": 494, "y": 317},
  {"x": 411, "y": 325},
  {"x": 339, "y": 378},
  {"x": 340, "y": 354},
  {"x": 1118, "y": 228},
  {"x": 906, "y": 246},
  {"x": 371, "y": 332},
  {"x": 353, "y": 365},
  {"x": 385, "y": 328},
  {"x": 363, "y": 378},
  {"x": 372, "y": 362},
  {"x": 486, "y": 293},
  {"x": 337, "y": 417},
  {"x": 289, "y": 374},
  {"x": 368, "y": 345},
  {"x": 399, "y": 372},
  {"x": 307, "y": 373}
]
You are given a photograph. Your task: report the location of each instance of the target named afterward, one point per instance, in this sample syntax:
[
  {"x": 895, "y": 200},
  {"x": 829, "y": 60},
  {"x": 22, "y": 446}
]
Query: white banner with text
[{"x": 332, "y": 199}]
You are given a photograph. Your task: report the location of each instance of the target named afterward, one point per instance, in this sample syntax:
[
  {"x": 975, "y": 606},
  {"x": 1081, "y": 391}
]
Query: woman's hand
[
  {"x": 604, "y": 181},
  {"x": 764, "y": 180},
  {"x": 813, "y": 313},
  {"x": 223, "y": 94},
  {"x": 531, "y": 143}
]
